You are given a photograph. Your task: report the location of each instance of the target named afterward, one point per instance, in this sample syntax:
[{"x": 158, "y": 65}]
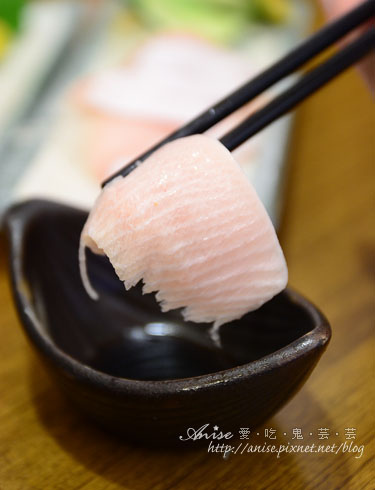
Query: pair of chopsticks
[{"x": 281, "y": 104}]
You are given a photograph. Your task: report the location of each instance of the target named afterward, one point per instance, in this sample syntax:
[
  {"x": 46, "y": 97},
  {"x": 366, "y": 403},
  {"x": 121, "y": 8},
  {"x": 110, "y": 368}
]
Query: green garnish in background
[
  {"x": 10, "y": 12},
  {"x": 220, "y": 20}
]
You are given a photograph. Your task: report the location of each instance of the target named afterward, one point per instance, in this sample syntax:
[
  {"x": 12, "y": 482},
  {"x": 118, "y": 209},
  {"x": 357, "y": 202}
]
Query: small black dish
[{"x": 137, "y": 371}]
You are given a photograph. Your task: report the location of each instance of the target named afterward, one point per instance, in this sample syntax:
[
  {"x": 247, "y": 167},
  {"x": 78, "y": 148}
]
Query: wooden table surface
[{"x": 328, "y": 237}]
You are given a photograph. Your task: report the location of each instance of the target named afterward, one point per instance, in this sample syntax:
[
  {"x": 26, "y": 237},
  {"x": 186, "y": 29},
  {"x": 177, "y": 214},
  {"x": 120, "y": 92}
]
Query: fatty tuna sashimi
[{"x": 190, "y": 225}]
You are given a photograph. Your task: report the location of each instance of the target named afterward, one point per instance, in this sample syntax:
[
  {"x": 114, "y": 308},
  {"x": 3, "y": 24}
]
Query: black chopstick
[
  {"x": 282, "y": 68},
  {"x": 308, "y": 84}
]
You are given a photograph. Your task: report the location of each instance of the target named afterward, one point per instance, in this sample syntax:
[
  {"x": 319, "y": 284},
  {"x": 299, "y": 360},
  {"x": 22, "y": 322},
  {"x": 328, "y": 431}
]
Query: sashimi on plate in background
[{"x": 169, "y": 80}]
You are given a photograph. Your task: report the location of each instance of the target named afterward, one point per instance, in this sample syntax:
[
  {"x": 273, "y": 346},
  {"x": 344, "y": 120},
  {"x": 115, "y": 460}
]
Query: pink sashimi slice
[{"x": 189, "y": 224}]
